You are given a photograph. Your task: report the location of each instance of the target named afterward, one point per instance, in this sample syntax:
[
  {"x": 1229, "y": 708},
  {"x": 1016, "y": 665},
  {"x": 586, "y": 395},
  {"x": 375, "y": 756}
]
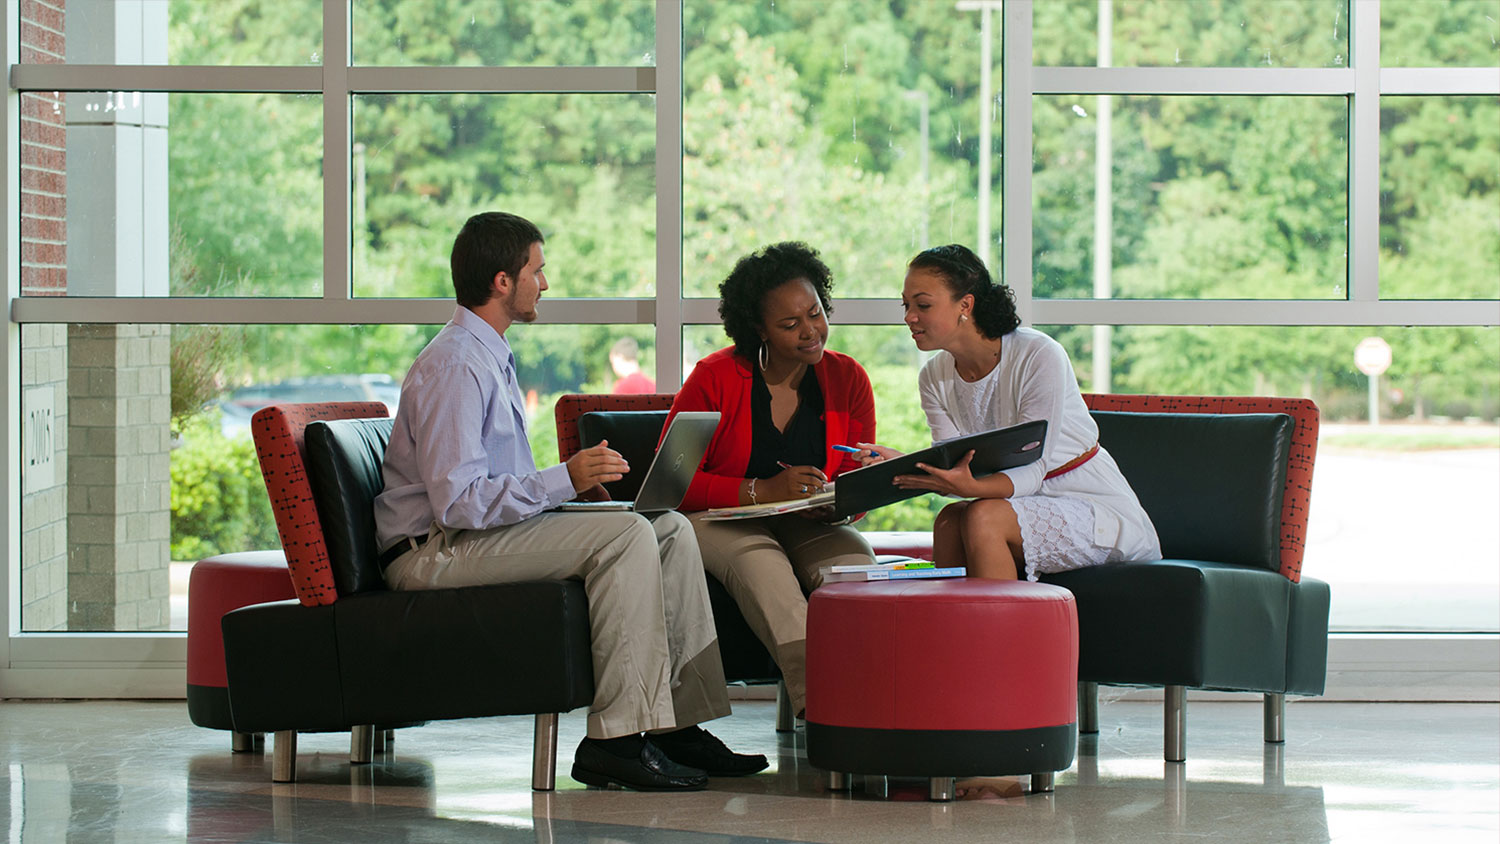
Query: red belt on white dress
[{"x": 1072, "y": 464}]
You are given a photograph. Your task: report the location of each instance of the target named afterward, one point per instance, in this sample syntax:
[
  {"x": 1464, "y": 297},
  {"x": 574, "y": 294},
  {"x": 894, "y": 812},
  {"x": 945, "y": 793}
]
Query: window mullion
[
  {"x": 336, "y": 117},
  {"x": 1364, "y": 154},
  {"x": 669, "y": 193},
  {"x": 1015, "y": 190}
]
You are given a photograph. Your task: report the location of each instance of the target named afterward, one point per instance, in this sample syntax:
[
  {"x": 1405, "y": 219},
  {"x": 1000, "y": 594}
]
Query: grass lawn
[{"x": 1423, "y": 438}]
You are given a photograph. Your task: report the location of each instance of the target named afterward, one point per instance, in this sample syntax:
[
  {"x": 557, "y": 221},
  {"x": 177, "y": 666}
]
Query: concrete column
[{"x": 119, "y": 479}]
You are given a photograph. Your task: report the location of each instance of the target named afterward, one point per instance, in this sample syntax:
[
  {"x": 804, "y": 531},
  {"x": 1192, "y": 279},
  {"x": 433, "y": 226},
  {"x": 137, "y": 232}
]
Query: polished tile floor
[{"x": 84, "y": 772}]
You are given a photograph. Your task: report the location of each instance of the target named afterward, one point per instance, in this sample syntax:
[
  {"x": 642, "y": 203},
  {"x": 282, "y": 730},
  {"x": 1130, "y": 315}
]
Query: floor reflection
[{"x": 138, "y": 772}]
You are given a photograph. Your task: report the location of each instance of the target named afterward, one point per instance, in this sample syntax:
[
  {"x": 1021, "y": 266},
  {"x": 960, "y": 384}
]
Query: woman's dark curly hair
[
  {"x": 743, "y": 292},
  {"x": 963, "y": 273}
]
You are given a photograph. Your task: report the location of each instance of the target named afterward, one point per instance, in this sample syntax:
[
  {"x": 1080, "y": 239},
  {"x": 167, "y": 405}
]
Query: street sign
[{"x": 1372, "y": 356}]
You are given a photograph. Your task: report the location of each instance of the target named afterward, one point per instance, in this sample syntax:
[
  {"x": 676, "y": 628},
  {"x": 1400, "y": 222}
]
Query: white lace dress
[{"x": 1086, "y": 517}]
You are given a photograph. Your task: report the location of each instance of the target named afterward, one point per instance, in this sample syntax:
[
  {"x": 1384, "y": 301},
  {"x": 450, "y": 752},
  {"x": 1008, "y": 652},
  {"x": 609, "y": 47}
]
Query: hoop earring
[{"x": 764, "y": 358}]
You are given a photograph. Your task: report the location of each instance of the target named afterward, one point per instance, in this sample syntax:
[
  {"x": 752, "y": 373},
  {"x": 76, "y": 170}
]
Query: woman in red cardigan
[{"x": 785, "y": 402}]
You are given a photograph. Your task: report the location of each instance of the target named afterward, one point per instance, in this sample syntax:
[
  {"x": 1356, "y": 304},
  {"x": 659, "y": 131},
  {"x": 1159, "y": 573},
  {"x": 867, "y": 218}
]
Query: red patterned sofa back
[
  {"x": 574, "y": 405},
  {"x": 1298, "y": 492},
  {"x": 278, "y": 430}
]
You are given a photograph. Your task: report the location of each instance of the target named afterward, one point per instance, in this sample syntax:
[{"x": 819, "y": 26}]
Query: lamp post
[
  {"x": 923, "y": 104},
  {"x": 361, "y": 232}
]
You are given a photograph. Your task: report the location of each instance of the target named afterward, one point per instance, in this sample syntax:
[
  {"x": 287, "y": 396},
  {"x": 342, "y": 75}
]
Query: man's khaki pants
[
  {"x": 768, "y": 565},
  {"x": 656, "y": 655}
]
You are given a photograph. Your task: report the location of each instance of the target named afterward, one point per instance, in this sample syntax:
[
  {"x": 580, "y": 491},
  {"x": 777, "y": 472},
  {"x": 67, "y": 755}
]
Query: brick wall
[{"x": 44, "y": 225}]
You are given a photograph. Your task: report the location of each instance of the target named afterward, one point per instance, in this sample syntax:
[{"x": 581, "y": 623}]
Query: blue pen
[{"x": 849, "y": 449}]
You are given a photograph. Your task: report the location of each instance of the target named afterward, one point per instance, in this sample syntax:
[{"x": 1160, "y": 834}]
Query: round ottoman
[
  {"x": 216, "y": 586},
  {"x": 942, "y": 678}
]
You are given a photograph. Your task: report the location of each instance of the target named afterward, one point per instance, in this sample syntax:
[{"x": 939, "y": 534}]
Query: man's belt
[
  {"x": 1072, "y": 464},
  {"x": 410, "y": 543}
]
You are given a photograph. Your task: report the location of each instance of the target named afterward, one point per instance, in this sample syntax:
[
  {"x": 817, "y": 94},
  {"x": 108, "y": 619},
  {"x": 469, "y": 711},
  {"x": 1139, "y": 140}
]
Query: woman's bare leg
[
  {"x": 947, "y": 535},
  {"x": 992, "y": 539}
]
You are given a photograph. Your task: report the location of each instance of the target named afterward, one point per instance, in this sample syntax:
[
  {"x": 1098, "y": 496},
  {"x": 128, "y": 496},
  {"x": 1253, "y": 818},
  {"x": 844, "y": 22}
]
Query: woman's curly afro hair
[{"x": 743, "y": 292}]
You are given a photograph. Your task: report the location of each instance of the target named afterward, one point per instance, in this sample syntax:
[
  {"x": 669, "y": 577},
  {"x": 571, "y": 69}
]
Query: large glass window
[
  {"x": 128, "y": 193},
  {"x": 179, "y": 32},
  {"x": 582, "y": 166},
  {"x": 1440, "y": 197},
  {"x": 1193, "y": 33},
  {"x": 494, "y": 34},
  {"x": 860, "y": 127},
  {"x": 1440, "y": 33},
  {"x": 1209, "y": 197},
  {"x": 1309, "y": 204}
]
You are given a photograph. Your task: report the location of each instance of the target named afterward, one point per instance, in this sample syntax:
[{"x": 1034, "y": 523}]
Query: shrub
[{"x": 219, "y": 502}]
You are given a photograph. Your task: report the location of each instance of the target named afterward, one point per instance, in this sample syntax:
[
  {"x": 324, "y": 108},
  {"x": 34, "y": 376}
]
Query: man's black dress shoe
[
  {"x": 698, "y": 748},
  {"x": 651, "y": 770}
]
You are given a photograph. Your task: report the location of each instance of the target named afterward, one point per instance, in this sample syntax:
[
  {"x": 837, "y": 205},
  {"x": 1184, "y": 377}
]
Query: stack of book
[{"x": 904, "y": 570}]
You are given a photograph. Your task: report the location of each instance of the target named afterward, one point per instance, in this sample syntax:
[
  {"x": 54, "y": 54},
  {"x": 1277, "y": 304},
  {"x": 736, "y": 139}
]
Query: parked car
[{"x": 241, "y": 403}]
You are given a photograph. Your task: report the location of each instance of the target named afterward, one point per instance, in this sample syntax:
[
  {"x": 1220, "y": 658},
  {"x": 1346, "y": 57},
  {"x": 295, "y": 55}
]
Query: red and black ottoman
[
  {"x": 942, "y": 678},
  {"x": 216, "y": 586}
]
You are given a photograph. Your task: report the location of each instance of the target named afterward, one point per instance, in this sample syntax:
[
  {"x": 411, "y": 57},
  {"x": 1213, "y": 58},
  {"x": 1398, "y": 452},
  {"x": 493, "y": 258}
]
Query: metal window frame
[{"x": 152, "y": 664}]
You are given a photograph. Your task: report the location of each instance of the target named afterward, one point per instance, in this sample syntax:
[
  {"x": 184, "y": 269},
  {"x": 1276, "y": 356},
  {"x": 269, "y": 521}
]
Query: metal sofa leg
[
  {"x": 1275, "y": 717},
  {"x": 241, "y": 742},
  {"x": 786, "y": 719},
  {"x": 1088, "y": 707},
  {"x": 940, "y": 789},
  {"x": 544, "y": 753},
  {"x": 1043, "y": 782},
  {"x": 361, "y": 744},
  {"x": 839, "y": 781},
  {"x": 284, "y": 757},
  {"x": 1174, "y": 723},
  {"x": 382, "y": 738}
]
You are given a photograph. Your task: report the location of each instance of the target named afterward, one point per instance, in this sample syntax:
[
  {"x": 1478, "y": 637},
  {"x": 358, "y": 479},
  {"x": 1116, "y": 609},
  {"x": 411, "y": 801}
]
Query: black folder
[{"x": 870, "y": 487}]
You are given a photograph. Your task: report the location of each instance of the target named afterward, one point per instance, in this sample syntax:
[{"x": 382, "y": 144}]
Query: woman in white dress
[{"x": 1070, "y": 509}]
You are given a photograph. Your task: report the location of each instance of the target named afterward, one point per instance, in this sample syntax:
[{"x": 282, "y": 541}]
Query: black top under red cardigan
[{"x": 722, "y": 382}]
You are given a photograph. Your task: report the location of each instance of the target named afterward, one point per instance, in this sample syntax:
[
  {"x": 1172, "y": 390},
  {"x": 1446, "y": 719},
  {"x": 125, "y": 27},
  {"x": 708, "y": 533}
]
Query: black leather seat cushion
[
  {"x": 376, "y": 656},
  {"x": 1180, "y": 622},
  {"x": 344, "y": 458},
  {"x": 1212, "y": 483},
  {"x": 392, "y": 657}
]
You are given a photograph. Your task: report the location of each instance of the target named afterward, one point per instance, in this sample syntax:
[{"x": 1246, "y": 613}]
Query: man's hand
[
  {"x": 957, "y": 481},
  {"x": 598, "y": 465}
]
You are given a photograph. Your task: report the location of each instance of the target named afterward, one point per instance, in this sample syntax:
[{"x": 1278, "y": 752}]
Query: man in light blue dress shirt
[{"x": 464, "y": 504}]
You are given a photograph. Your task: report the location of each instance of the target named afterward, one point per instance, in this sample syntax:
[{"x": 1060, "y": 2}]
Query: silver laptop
[{"x": 671, "y": 470}]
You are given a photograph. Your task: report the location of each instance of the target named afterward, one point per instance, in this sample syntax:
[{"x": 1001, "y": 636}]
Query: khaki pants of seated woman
[{"x": 768, "y": 565}]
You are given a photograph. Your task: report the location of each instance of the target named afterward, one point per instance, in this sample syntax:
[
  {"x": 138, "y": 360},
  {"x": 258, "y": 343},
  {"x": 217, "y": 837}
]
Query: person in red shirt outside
[
  {"x": 785, "y": 402},
  {"x": 624, "y": 360}
]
